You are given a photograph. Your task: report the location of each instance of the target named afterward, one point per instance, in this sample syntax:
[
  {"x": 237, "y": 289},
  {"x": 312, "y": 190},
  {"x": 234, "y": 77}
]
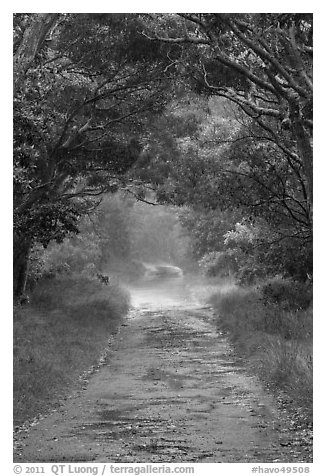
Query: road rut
[{"x": 171, "y": 390}]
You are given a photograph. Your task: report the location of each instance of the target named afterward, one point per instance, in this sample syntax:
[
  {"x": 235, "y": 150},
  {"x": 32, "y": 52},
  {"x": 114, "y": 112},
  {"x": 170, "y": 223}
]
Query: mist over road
[
  {"x": 162, "y": 287},
  {"x": 171, "y": 390}
]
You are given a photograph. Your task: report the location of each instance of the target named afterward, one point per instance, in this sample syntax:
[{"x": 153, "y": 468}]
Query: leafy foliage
[
  {"x": 116, "y": 238},
  {"x": 47, "y": 222},
  {"x": 97, "y": 107},
  {"x": 82, "y": 88},
  {"x": 286, "y": 293},
  {"x": 218, "y": 263},
  {"x": 258, "y": 159},
  {"x": 235, "y": 181}
]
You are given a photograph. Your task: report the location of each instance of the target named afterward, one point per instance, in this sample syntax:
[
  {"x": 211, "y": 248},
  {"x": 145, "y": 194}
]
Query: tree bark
[
  {"x": 21, "y": 250},
  {"x": 32, "y": 42},
  {"x": 306, "y": 154},
  {"x": 303, "y": 142}
]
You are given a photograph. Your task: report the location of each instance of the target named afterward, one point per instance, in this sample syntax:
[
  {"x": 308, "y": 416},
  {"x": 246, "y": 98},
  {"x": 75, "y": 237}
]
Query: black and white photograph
[{"x": 162, "y": 241}]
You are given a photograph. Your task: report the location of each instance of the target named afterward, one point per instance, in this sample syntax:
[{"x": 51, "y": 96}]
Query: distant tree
[{"x": 207, "y": 228}]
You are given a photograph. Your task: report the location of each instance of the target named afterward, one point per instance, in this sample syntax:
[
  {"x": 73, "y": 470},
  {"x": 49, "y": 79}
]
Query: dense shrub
[
  {"x": 286, "y": 293},
  {"x": 74, "y": 254},
  {"x": 260, "y": 252},
  {"x": 218, "y": 263}
]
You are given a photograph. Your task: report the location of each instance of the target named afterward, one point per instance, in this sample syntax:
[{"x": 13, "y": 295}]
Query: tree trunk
[
  {"x": 304, "y": 147},
  {"x": 32, "y": 42},
  {"x": 22, "y": 250}
]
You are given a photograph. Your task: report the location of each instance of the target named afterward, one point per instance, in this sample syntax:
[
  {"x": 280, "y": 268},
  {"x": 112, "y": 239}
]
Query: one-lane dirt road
[{"x": 171, "y": 390}]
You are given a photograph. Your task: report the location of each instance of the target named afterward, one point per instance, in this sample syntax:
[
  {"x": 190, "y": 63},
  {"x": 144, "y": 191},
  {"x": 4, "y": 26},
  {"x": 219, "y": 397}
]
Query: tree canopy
[
  {"x": 83, "y": 88},
  {"x": 261, "y": 62},
  {"x": 210, "y": 111}
]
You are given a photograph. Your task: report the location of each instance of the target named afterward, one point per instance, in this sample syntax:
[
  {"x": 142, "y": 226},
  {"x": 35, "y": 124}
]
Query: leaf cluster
[{"x": 79, "y": 111}]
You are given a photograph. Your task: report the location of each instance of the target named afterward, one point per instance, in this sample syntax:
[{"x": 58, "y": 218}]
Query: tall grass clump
[
  {"x": 61, "y": 333},
  {"x": 275, "y": 335}
]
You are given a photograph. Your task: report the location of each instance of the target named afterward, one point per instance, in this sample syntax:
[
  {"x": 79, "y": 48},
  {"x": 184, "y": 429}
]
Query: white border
[{"x": 319, "y": 196}]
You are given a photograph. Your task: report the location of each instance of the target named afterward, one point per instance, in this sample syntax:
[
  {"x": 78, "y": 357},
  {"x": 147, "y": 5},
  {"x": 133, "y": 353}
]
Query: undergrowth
[
  {"x": 57, "y": 336},
  {"x": 276, "y": 341}
]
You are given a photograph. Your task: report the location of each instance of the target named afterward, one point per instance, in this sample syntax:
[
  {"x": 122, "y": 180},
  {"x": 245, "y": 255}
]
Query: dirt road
[{"x": 171, "y": 390}]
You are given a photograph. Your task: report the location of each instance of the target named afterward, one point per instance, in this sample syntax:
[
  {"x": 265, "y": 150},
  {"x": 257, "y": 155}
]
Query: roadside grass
[
  {"x": 203, "y": 288},
  {"x": 61, "y": 333},
  {"x": 277, "y": 343}
]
